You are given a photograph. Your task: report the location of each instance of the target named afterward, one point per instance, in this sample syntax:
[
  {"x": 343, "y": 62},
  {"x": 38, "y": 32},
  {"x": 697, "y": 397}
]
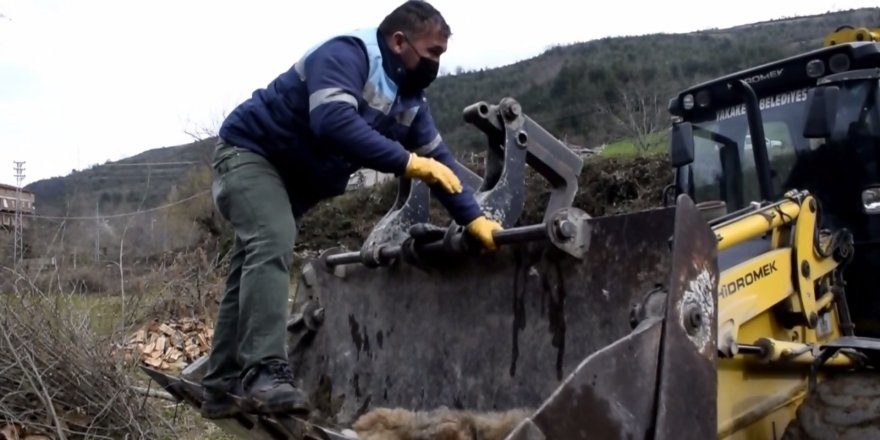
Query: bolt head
[
  {"x": 694, "y": 319},
  {"x": 565, "y": 229}
]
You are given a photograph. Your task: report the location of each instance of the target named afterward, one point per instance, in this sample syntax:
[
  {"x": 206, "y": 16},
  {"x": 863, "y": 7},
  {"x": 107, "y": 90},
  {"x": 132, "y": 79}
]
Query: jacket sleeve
[
  {"x": 335, "y": 76},
  {"x": 424, "y": 139}
]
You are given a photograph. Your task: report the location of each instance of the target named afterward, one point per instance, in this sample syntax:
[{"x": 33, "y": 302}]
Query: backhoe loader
[{"x": 742, "y": 307}]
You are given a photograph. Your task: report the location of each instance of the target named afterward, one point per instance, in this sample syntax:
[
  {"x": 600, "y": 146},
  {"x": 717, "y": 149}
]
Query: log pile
[{"x": 170, "y": 345}]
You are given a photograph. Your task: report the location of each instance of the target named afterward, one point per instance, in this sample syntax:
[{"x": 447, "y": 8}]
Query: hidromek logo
[
  {"x": 747, "y": 279},
  {"x": 764, "y": 76}
]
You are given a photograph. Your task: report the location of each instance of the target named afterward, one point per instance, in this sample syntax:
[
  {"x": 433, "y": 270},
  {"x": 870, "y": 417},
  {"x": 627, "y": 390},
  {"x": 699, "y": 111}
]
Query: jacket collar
[{"x": 392, "y": 64}]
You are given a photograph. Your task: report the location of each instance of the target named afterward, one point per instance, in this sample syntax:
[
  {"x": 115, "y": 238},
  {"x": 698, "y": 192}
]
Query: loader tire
[{"x": 844, "y": 407}]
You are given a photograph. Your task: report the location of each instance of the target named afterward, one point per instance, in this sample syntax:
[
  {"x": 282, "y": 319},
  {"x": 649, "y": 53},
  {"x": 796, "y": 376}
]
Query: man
[{"x": 353, "y": 101}]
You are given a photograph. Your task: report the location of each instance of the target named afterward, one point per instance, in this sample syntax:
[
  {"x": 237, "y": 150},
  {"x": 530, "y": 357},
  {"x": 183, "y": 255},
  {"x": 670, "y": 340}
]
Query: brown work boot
[{"x": 268, "y": 388}]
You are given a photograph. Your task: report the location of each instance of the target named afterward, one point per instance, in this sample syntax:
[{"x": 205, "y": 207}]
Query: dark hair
[{"x": 412, "y": 18}]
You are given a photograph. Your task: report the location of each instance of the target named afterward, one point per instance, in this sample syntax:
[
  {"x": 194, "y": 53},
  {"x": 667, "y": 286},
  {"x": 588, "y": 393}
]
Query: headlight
[
  {"x": 815, "y": 68},
  {"x": 703, "y": 98},
  {"x": 871, "y": 200},
  {"x": 839, "y": 62},
  {"x": 688, "y": 101}
]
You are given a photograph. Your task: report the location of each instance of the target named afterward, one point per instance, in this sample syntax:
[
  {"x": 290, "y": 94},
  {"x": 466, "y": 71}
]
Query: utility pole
[
  {"x": 18, "y": 241},
  {"x": 98, "y": 232}
]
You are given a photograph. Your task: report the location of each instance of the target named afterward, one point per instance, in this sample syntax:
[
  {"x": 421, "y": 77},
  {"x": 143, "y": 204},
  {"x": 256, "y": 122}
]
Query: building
[
  {"x": 365, "y": 178},
  {"x": 7, "y": 206}
]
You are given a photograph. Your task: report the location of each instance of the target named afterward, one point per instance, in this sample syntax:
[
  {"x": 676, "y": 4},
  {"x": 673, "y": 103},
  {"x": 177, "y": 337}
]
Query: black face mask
[{"x": 422, "y": 76}]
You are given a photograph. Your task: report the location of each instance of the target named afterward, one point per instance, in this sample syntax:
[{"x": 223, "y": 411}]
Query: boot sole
[
  {"x": 293, "y": 406},
  {"x": 253, "y": 406}
]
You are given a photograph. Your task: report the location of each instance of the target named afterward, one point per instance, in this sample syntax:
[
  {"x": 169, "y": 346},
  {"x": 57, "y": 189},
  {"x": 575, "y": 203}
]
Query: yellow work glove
[
  {"x": 482, "y": 228},
  {"x": 432, "y": 171}
]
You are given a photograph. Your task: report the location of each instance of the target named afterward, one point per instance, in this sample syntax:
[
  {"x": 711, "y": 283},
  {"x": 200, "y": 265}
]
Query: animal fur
[{"x": 438, "y": 424}]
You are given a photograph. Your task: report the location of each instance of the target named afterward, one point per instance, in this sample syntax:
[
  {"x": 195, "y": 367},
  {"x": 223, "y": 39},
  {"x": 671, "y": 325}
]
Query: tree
[
  {"x": 199, "y": 132},
  {"x": 638, "y": 110}
]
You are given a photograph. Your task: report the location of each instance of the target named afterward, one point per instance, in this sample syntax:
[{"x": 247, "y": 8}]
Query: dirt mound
[{"x": 607, "y": 185}]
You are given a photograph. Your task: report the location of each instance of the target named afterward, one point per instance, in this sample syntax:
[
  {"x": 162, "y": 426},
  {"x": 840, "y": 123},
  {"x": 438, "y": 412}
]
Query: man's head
[{"x": 417, "y": 33}]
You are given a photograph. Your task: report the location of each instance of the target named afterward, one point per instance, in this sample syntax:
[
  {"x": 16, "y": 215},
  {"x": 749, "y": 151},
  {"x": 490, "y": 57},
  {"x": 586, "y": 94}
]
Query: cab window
[{"x": 724, "y": 165}]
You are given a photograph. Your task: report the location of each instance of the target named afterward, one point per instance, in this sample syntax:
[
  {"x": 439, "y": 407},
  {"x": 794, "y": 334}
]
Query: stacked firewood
[{"x": 172, "y": 344}]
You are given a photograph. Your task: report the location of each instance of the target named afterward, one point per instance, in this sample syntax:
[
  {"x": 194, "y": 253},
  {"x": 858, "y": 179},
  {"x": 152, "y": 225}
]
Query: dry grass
[
  {"x": 57, "y": 376},
  {"x": 59, "y": 373}
]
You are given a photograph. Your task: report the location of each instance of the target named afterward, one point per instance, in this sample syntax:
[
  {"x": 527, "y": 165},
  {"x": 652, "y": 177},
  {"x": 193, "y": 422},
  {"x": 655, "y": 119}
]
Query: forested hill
[{"x": 582, "y": 93}]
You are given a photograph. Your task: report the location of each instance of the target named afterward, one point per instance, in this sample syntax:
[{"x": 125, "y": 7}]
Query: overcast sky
[{"x": 85, "y": 81}]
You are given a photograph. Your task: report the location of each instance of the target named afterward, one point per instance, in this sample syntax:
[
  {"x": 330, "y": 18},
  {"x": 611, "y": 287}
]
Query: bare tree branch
[
  {"x": 199, "y": 132},
  {"x": 638, "y": 110},
  {"x": 57, "y": 377},
  {"x": 156, "y": 394}
]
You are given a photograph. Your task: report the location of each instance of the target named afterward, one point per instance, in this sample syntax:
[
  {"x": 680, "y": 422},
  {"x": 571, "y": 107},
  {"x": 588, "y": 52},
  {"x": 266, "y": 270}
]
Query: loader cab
[
  {"x": 809, "y": 122},
  {"x": 713, "y": 146}
]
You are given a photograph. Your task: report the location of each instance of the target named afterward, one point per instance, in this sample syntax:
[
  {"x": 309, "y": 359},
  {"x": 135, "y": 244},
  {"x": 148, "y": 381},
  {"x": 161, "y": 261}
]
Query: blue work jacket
[{"x": 336, "y": 110}]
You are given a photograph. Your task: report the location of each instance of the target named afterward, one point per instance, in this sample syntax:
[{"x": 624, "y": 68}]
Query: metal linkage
[
  {"x": 418, "y": 247},
  {"x": 514, "y": 141},
  {"x": 410, "y": 208}
]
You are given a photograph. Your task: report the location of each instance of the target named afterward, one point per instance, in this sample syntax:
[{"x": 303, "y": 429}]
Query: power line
[
  {"x": 147, "y": 164},
  {"x": 126, "y": 214}
]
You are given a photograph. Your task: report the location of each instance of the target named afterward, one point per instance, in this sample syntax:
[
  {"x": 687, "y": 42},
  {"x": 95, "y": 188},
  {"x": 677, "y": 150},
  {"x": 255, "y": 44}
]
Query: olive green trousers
[{"x": 251, "y": 325}]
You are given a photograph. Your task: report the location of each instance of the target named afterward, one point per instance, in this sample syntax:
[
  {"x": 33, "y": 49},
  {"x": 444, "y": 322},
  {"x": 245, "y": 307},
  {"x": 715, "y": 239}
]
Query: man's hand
[
  {"x": 432, "y": 171},
  {"x": 482, "y": 228}
]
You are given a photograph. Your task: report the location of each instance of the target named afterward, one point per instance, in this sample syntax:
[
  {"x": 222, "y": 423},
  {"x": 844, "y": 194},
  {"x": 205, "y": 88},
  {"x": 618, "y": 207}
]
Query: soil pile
[{"x": 606, "y": 186}]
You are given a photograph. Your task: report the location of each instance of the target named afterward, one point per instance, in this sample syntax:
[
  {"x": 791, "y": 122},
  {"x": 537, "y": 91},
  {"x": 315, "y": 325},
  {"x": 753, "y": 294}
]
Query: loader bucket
[
  {"x": 478, "y": 332},
  {"x": 600, "y": 327}
]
